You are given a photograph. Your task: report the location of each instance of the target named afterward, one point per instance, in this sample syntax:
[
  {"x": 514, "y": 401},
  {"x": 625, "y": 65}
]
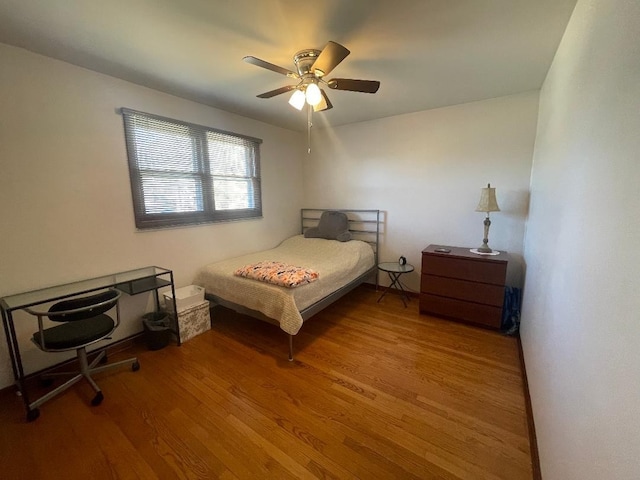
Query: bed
[{"x": 340, "y": 266}]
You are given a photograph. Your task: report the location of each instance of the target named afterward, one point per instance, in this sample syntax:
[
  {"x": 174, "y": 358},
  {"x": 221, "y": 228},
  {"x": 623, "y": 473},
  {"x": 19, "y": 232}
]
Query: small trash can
[{"x": 157, "y": 332}]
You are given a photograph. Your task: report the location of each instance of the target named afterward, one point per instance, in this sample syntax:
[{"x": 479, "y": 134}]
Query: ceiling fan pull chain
[{"x": 309, "y": 125}]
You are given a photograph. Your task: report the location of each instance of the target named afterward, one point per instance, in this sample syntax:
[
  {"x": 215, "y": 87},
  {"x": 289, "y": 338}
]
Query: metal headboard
[{"x": 364, "y": 225}]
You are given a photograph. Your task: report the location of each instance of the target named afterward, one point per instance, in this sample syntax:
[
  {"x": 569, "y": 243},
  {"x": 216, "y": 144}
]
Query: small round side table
[{"x": 395, "y": 270}]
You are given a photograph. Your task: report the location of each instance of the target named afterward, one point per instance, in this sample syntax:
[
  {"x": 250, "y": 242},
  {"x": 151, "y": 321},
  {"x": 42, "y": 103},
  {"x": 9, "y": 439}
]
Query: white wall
[
  {"x": 425, "y": 170},
  {"x": 580, "y": 320},
  {"x": 65, "y": 199}
]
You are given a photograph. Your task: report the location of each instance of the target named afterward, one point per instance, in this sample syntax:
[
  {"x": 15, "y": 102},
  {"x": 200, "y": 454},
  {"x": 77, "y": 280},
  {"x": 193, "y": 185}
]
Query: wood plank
[{"x": 375, "y": 391}]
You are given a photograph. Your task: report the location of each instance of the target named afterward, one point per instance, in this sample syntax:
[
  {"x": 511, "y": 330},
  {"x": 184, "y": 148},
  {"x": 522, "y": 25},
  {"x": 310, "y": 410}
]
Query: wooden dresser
[{"x": 461, "y": 285}]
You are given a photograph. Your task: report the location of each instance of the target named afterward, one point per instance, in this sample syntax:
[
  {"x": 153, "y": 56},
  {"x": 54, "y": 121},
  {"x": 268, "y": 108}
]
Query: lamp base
[{"x": 485, "y": 241}]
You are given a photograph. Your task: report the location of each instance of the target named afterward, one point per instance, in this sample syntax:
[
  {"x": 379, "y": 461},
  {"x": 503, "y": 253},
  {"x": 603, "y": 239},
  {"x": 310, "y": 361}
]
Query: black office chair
[{"x": 83, "y": 322}]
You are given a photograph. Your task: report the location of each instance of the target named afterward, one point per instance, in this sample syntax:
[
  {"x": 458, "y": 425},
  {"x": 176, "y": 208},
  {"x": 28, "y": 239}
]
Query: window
[{"x": 184, "y": 174}]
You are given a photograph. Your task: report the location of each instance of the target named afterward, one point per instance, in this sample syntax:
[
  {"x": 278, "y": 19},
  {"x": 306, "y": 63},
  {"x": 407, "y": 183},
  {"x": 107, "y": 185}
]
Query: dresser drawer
[
  {"x": 487, "y": 315},
  {"x": 484, "y": 293},
  {"x": 465, "y": 269}
]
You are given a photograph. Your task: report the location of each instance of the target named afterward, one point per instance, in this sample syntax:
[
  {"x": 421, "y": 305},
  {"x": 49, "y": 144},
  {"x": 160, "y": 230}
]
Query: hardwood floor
[{"x": 375, "y": 391}]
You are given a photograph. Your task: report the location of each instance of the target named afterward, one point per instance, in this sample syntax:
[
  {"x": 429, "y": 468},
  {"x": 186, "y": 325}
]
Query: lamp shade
[
  {"x": 313, "y": 94},
  {"x": 488, "y": 202},
  {"x": 297, "y": 100},
  {"x": 320, "y": 106}
]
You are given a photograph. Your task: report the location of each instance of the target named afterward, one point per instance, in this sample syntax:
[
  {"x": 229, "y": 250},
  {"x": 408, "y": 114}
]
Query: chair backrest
[{"x": 84, "y": 307}]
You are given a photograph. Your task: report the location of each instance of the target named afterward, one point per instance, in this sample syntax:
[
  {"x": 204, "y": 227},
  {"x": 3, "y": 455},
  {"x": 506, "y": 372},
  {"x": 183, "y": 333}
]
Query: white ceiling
[{"x": 425, "y": 53}]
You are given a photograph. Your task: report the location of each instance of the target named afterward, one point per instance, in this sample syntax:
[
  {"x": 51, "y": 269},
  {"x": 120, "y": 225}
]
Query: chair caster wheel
[
  {"x": 135, "y": 366},
  {"x": 97, "y": 400},
  {"x": 33, "y": 414}
]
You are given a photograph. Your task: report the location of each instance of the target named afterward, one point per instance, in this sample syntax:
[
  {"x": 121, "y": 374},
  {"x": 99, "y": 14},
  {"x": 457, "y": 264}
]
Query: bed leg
[{"x": 291, "y": 348}]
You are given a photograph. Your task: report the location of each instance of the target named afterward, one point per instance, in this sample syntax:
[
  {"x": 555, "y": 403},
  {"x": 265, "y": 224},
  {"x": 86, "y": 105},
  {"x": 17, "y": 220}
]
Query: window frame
[{"x": 204, "y": 195}]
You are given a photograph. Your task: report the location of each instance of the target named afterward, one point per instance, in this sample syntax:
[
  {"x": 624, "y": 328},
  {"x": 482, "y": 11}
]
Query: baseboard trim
[{"x": 533, "y": 441}]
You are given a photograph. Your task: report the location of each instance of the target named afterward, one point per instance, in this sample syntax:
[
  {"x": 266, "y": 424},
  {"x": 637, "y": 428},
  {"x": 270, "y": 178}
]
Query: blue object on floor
[{"x": 511, "y": 311}]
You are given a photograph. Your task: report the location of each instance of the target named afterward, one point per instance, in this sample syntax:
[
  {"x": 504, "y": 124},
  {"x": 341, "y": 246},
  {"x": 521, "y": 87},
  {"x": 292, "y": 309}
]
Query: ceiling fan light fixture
[
  {"x": 311, "y": 67},
  {"x": 313, "y": 94},
  {"x": 297, "y": 100},
  {"x": 322, "y": 105}
]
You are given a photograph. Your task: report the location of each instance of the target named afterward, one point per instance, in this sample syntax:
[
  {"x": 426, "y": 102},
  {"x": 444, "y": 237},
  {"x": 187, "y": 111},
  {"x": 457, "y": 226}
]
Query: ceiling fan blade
[
  {"x": 325, "y": 103},
  {"x": 365, "y": 86},
  {"x": 332, "y": 54},
  {"x": 270, "y": 66},
  {"x": 277, "y": 91}
]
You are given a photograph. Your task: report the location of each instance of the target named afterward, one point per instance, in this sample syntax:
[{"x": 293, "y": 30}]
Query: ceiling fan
[{"x": 312, "y": 66}]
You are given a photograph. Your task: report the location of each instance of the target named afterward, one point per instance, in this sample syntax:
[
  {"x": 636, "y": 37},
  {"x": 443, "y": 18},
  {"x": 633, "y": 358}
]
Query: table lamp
[{"x": 488, "y": 203}]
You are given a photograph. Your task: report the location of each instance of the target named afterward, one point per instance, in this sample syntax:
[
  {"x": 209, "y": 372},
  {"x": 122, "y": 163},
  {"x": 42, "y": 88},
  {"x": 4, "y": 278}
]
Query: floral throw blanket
[{"x": 278, "y": 273}]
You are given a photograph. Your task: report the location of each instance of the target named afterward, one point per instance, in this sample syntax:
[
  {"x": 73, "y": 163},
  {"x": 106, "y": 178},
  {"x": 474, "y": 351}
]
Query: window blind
[{"x": 184, "y": 174}]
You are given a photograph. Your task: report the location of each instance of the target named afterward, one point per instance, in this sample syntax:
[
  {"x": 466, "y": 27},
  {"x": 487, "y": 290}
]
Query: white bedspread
[{"x": 337, "y": 263}]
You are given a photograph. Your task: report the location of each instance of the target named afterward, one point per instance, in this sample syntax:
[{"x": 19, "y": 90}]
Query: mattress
[{"x": 337, "y": 264}]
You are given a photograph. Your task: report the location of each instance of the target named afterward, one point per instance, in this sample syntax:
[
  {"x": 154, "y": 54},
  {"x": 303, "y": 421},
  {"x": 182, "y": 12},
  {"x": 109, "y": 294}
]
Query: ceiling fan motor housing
[{"x": 304, "y": 61}]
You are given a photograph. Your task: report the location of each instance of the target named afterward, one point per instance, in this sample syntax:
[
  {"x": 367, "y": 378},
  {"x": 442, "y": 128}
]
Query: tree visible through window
[{"x": 185, "y": 174}]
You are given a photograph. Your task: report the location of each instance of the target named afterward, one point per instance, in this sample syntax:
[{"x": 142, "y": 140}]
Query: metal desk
[{"x": 131, "y": 282}]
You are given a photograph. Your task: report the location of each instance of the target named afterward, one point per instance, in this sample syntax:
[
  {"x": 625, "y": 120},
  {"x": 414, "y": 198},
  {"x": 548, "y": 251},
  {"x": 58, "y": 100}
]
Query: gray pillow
[{"x": 332, "y": 226}]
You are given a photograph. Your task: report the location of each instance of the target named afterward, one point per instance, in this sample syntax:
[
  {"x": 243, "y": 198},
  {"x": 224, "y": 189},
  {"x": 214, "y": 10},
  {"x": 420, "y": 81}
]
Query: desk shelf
[{"x": 142, "y": 285}]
